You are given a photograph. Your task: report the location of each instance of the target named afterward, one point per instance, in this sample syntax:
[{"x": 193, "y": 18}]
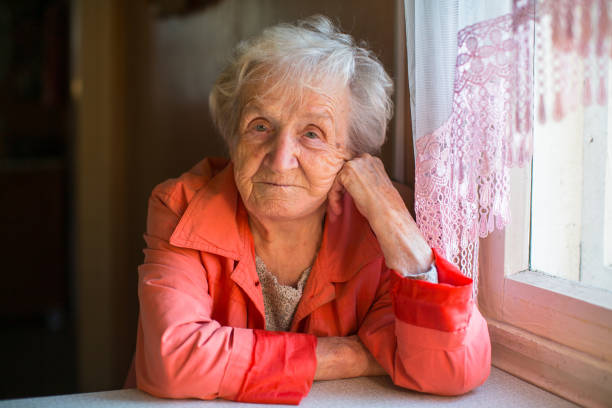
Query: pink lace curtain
[{"x": 484, "y": 122}]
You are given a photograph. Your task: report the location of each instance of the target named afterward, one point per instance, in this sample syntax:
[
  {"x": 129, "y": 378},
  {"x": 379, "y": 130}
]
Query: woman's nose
[{"x": 283, "y": 155}]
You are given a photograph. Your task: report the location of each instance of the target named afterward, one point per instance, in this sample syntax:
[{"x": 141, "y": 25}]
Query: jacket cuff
[
  {"x": 444, "y": 306},
  {"x": 282, "y": 368},
  {"x": 238, "y": 364}
]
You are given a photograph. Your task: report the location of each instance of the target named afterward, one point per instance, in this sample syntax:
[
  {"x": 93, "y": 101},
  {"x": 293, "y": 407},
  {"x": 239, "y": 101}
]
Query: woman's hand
[
  {"x": 366, "y": 180},
  {"x": 344, "y": 357}
]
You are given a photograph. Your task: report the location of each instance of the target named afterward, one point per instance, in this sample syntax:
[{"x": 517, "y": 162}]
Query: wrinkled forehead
[{"x": 293, "y": 91}]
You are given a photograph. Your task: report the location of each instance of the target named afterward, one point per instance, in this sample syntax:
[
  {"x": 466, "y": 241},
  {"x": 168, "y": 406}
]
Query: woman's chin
[{"x": 283, "y": 210}]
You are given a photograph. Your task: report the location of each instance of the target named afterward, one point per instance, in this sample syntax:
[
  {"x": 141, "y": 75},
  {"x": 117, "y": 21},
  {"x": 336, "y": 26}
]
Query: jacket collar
[{"x": 216, "y": 221}]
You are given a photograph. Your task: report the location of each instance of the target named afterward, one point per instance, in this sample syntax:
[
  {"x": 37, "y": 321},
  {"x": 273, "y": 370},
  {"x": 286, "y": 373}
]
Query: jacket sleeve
[
  {"x": 429, "y": 337},
  {"x": 182, "y": 352}
]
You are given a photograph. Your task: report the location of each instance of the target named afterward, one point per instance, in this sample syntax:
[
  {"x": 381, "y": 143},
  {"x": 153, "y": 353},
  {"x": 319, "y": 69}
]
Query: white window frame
[{"x": 538, "y": 331}]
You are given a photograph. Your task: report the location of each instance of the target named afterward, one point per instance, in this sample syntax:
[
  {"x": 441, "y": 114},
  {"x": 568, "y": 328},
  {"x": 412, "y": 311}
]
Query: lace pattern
[
  {"x": 462, "y": 168},
  {"x": 280, "y": 301}
]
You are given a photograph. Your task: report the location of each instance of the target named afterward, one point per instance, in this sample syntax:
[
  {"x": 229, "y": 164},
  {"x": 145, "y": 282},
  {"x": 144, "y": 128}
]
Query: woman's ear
[{"x": 334, "y": 199}]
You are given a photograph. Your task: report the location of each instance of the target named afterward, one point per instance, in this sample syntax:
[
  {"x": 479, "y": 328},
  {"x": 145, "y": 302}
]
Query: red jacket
[{"x": 201, "y": 327}]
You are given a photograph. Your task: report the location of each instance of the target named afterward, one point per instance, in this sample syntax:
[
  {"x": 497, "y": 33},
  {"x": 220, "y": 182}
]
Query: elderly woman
[{"x": 297, "y": 260}]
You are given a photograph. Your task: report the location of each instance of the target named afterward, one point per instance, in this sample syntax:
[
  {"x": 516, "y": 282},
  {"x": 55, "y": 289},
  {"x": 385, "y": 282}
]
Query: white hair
[{"x": 310, "y": 54}]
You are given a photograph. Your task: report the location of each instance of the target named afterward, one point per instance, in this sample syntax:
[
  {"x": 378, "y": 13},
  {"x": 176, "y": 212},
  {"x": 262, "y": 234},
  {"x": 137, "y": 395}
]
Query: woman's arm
[
  {"x": 429, "y": 337},
  {"x": 404, "y": 247},
  {"x": 344, "y": 357}
]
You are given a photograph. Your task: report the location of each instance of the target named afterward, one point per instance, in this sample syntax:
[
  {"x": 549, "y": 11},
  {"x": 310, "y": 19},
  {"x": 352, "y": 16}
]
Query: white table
[{"x": 501, "y": 390}]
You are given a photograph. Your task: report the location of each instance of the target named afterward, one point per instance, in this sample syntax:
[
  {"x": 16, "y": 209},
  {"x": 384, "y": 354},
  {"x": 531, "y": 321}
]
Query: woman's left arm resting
[{"x": 429, "y": 337}]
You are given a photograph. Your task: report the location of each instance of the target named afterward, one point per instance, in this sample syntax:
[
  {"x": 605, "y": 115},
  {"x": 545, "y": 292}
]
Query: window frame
[{"x": 538, "y": 332}]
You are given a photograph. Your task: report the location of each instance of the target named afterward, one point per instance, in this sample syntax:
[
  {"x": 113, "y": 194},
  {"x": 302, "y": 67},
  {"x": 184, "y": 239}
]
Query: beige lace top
[{"x": 280, "y": 301}]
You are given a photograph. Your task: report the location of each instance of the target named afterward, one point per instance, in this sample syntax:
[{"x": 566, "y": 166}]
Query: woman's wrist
[
  {"x": 429, "y": 276},
  {"x": 344, "y": 357},
  {"x": 404, "y": 247}
]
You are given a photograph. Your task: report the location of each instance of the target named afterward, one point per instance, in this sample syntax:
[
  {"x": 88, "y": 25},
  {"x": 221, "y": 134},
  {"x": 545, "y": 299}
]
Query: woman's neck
[{"x": 287, "y": 247}]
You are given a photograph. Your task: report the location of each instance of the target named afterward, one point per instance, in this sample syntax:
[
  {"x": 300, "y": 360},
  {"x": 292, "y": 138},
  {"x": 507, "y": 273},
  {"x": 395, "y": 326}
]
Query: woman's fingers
[
  {"x": 365, "y": 179},
  {"x": 367, "y": 182}
]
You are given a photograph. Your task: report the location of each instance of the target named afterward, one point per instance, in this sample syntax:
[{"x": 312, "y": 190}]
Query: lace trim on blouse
[{"x": 280, "y": 301}]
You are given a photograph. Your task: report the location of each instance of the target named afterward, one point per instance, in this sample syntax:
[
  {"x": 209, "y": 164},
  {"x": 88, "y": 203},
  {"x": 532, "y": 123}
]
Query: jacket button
[{"x": 256, "y": 283}]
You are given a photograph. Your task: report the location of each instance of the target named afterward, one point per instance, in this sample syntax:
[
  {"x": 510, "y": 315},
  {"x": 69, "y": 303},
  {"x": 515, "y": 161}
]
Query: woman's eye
[
  {"x": 312, "y": 135},
  {"x": 260, "y": 127}
]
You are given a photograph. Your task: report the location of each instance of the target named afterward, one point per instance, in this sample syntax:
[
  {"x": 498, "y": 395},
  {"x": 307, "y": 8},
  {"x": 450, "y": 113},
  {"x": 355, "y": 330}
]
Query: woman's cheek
[
  {"x": 325, "y": 168},
  {"x": 247, "y": 158}
]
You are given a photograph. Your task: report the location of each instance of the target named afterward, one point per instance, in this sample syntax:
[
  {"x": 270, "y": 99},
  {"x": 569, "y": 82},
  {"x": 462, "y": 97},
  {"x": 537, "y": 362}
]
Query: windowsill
[
  {"x": 548, "y": 331},
  {"x": 559, "y": 310},
  {"x": 500, "y": 390},
  {"x": 570, "y": 289}
]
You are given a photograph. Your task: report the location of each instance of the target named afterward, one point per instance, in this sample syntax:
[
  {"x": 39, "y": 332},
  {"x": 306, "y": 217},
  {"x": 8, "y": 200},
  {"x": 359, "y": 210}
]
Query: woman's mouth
[{"x": 276, "y": 184}]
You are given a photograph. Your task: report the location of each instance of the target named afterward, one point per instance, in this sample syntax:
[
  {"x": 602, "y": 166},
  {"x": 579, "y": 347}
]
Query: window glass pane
[
  {"x": 608, "y": 194},
  {"x": 571, "y": 219},
  {"x": 557, "y": 197}
]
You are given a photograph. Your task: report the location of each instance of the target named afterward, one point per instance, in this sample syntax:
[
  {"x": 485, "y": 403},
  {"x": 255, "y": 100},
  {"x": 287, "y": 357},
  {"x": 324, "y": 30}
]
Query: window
[
  {"x": 571, "y": 231},
  {"x": 550, "y": 331},
  {"x": 546, "y": 281}
]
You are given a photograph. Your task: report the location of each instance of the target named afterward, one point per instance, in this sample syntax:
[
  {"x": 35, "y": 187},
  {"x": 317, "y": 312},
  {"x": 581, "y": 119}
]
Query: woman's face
[{"x": 288, "y": 153}]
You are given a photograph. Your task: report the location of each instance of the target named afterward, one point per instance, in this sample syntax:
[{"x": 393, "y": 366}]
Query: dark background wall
[
  {"x": 37, "y": 338},
  {"x": 139, "y": 77}
]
